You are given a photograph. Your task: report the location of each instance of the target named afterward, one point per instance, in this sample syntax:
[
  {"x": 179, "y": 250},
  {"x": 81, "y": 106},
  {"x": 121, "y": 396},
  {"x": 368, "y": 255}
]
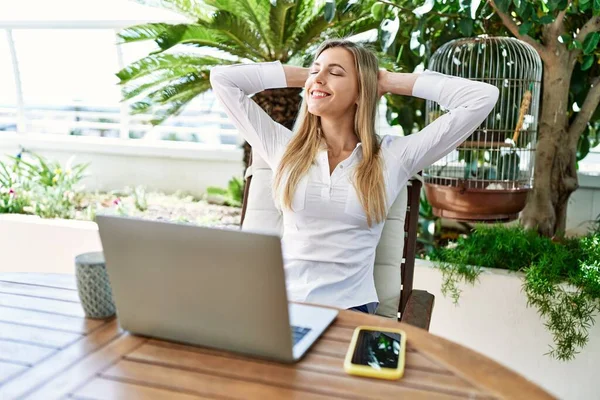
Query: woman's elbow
[
  {"x": 490, "y": 96},
  {"x": 214, "y": 75}
]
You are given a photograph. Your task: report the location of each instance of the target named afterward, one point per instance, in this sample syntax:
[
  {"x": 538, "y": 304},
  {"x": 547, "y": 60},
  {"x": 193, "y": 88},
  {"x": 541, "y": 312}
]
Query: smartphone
[{"x": 376, "y": 353}]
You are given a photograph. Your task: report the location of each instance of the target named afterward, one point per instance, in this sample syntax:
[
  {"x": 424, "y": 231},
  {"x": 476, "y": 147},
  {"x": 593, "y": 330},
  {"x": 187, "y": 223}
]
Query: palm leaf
[
  {"x": 169, "y": 100},
  {"x": 307, "y": 33},
  {"x": 200, "y": 35},
  {"x": 141, "y": 32},
  {"x": 240, "y": 32},
  {"x": 176, "y": 103},
  {"x": 353, "y": 27},
  {"x": 157, "y": 62},
  {"x": 156, "y": 79},
  {"x": 278, "y": 21},
  {"x": 256, "y": 12}
]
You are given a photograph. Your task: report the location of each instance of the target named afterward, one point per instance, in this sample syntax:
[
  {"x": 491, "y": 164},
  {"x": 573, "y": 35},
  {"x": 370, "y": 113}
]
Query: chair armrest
[{"x": 418, "y": 309}]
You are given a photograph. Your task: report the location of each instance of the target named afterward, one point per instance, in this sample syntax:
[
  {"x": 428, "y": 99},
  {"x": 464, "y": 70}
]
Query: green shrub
[
  {"x": 232, "y": 196},
  {"x": 31, "y": 184},
  {"x": 562, "y": 279}
]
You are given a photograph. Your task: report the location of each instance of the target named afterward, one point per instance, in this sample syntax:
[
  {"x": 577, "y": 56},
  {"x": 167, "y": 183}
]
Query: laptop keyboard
[{"x": 298, "y": 332}]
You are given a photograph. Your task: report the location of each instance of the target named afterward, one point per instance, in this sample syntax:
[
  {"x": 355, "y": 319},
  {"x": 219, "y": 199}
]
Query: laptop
[{"x": 204, "y": 286}]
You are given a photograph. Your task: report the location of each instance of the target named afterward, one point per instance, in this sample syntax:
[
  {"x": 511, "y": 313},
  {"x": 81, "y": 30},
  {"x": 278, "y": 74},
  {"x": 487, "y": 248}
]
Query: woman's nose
[{"x": 319, "y": 77}]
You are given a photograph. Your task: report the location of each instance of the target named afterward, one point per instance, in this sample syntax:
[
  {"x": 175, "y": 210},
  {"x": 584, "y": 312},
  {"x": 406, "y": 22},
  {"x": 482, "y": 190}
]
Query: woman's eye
[{"x": 316, "y": 72}]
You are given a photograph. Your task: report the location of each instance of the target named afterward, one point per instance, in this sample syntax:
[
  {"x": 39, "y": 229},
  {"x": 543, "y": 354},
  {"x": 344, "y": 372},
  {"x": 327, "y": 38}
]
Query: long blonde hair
[{"x": 307, "y": 140}]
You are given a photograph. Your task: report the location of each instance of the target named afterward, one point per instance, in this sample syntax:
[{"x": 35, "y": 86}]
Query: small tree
[{"x": 565, "y": 33}]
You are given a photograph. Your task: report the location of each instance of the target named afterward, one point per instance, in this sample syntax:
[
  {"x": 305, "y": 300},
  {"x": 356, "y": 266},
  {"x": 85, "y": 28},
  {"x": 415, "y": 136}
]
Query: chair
[{"x": 395, "y": 254}]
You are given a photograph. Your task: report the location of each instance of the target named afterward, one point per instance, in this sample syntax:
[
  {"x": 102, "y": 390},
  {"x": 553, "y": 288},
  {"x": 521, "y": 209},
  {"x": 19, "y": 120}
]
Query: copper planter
[{"x": 468, "y": 204}]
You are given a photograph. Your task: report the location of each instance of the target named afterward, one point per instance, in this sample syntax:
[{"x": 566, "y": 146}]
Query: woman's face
[{"x": 334, "y": 75}]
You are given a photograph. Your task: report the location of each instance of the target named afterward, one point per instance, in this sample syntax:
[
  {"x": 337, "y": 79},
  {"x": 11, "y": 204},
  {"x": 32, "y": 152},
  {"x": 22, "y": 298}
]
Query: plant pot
[
  {"x": 469, "y": 204},
  {"x": 93, "y": 286}
]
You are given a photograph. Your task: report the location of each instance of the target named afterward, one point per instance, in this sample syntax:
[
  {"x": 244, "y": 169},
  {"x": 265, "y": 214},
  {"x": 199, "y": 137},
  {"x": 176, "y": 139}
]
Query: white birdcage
[{"x": 488, "y": 177}]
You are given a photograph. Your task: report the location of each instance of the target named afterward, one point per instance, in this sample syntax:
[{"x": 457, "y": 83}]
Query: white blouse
[{"x": 328, "y": 248}]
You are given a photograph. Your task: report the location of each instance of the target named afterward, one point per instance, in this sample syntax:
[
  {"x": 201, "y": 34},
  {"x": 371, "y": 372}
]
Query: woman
[{"x": 334, "y": 178}]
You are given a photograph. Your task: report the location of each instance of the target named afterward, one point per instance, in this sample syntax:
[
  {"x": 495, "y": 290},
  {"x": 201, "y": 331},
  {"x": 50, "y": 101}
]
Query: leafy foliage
[
  {"x": 562, "y": 279},
  {"x": 232, "y": 196},
  {"x": 32, "y": 184}
]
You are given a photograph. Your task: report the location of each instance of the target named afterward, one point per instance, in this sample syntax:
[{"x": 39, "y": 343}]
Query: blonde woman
[{"x": 334, "y": 178}]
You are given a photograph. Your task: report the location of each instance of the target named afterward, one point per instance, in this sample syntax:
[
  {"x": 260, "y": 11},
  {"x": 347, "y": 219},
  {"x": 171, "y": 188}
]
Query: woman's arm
[
  {"x": 232, "y": 84},
  {"x": 295, "y": 76},
  {"x": 395, "y": 83},
  {"x": 468, "y": 103}
]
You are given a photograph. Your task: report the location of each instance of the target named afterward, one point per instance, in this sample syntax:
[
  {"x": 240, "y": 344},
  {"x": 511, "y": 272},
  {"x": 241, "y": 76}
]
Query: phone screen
[{"x": 377, "y": 349}]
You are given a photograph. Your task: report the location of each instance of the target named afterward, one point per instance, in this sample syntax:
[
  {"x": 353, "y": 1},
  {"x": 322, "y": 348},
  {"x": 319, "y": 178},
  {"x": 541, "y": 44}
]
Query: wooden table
[{"x": 49, "y": 350}]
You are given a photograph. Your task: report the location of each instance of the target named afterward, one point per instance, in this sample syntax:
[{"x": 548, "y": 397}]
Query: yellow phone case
[{"x": 382, "y": 373}]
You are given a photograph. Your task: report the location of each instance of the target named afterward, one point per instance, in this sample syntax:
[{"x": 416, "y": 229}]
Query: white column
[
  {"x": 21, "y": 121},
  {"x": 124, "y": 131}
]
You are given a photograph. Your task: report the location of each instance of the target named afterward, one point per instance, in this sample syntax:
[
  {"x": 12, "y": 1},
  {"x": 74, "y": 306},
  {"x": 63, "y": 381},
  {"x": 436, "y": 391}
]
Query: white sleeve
[
  {"x": 468, "y": 103},
  {"x": 232, "y": 84}
]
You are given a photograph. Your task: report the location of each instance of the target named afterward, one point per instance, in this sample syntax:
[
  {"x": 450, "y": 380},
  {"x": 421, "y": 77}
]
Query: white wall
[
  {"x": 114, "y": 163},
  {"x": 492, "y": 317},
  {"x": 32, "y": 244},
  {"x": 584, "y": 205}
]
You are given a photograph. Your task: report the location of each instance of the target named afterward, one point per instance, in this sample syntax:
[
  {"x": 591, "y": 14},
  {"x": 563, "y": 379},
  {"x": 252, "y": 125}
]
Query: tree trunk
[
  {"x": 282, "y": 105},
  {"x": 555, "y": 175}
]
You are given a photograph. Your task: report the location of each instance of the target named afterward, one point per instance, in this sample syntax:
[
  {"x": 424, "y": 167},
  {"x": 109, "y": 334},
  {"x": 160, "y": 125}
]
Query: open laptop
[{"x": 206, "y": 286}]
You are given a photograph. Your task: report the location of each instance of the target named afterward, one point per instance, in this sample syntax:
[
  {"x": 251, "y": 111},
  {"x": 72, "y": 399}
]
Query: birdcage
[{"x": 488, "y": 177}]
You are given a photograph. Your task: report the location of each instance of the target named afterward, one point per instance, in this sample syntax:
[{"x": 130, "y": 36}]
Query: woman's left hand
[{"x": 382, "y": 82}]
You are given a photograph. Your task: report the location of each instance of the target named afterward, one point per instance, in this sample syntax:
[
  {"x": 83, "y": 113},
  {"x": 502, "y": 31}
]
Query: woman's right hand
[{"x": 382, "y": 88}]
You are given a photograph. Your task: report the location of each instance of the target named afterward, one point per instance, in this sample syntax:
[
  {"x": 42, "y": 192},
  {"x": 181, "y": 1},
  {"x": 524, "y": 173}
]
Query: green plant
[
  {"x": 232, "y": 196},
  {"x": 562, "y": 278},
  {"x": 35, "y": 185},
  {"x": 14, "y": 196},
  {"x": 140, "y": 198},
  {"x": 56, "y": 189}
]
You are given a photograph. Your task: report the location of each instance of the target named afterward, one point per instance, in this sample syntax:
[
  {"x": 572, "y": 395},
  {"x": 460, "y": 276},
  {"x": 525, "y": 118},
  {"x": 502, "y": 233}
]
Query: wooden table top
[{"x": 48, "y": 350}]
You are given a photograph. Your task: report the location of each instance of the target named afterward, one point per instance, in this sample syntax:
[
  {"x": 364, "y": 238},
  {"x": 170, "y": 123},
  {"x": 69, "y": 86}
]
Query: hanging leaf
[
  {"x": 329, "y": 10},
  {"x": 590, "y": 44},
  {"x": 465, "y": 26},
  {"x": 566, "y": 39},
  {"x": 583, "y": 146},
  {"x": 585, "y": 5},
  {"x": 546, "y": 19},
  {"x": 377, "y": 10},
  {"x": 524, "y": 10},
  {"x": 587, "y": 62},
  {"x": 425, "y": 8},
  {"x": 575, "y": 44},
  {"x": 596, "y": 7},
  {"x": 525, "y": 28},
  {"x": 399, "y": 54}
]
